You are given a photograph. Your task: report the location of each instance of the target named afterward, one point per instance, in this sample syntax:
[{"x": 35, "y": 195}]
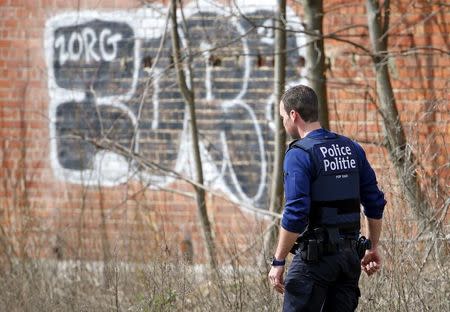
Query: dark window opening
[
  {"x": 147, "y": 62},
  {"x": 214, "y": 61},
  {"x": 265, "y": 61},
  {"x": 301, "y": 61}
]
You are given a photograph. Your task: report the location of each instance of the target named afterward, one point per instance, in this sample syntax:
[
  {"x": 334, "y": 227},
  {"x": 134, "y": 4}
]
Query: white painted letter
[
  {"x": 75, "y": 37},
  {"x": 60, "y": 43},
  {"x": 90, "y": 38},
  {"x": 110, "y": 41}
]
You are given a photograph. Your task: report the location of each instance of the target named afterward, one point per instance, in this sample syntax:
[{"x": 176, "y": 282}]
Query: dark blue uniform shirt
[{"x": 297, "y": 182}]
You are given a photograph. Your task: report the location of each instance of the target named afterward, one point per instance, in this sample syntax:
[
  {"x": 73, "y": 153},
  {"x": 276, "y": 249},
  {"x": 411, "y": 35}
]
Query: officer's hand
[
  {"x": 371, "y": 262},
  {"x": 276, "y": 278}
]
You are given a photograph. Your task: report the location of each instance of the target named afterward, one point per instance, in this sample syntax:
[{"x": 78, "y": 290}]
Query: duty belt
[
  {"x": 342, "y": 244},
  {"x": 313, "y": 249}
]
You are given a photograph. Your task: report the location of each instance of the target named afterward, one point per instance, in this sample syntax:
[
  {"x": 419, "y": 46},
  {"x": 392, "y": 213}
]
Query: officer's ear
[{"x": 294, "y": 115}]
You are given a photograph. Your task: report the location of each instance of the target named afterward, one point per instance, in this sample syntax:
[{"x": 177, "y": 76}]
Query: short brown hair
[{"x": 303, "y": 100}]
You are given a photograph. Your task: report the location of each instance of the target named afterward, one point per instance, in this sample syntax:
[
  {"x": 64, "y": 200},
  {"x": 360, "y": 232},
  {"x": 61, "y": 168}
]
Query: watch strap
[{"x": 276, "y": 262}]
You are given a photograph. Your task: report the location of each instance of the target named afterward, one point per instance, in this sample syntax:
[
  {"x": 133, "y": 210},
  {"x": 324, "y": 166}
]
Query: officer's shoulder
[
  {"x": 297, "y": 148},
  {"x": 304, "y": 144},
  {"x": 360, "y": 152},
  {"x": 293, "y": 144},
  {"x": 297, "y": 157},
  {"x": 354, "y": 142}
]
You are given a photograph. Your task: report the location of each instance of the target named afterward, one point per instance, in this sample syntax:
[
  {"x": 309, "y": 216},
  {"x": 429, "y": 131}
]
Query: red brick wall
[{"x": 50, "y": 213}]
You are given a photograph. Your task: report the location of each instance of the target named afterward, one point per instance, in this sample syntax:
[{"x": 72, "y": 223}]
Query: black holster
[
  {"x": 313, "y": 251},
  {"x": 362, "y": 245},
  {"x": 310, "y": 246}
]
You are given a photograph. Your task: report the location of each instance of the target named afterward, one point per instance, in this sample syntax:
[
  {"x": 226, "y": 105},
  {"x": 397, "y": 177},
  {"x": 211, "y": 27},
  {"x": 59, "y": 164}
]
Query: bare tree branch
[
  {"x": 188, "y": 96},
  {"x": 150, "y": 165},
  {"x": 399, "y": 150},
  {"x": 316, "y": 56},
  {"x": 276, "y": 189}
]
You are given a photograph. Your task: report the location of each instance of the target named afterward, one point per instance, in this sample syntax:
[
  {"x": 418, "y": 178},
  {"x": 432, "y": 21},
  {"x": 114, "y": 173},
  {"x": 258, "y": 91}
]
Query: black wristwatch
[{"x": 276, "y": 262}]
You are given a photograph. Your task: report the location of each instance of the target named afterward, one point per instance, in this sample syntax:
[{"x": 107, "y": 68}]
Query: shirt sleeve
[
  {"x": 372, "y": 198},
  {"x": 297, "y": 180}
]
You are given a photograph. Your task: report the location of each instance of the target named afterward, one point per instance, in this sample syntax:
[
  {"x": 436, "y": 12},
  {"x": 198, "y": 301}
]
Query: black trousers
[{"x": 330, "y": 284}]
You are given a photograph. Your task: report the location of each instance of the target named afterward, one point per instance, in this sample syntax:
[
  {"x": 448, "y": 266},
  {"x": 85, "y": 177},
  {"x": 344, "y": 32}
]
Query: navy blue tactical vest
[{"x": 335, "y": 202}]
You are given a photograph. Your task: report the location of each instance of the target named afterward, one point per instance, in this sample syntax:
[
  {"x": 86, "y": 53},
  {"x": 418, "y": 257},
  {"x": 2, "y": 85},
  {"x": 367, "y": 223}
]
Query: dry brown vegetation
[{"x": 415, "y": 277}]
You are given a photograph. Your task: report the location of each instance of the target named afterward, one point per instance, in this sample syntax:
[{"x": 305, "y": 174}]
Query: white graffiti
[
  {"x": 109, "y": 40},
  {"x": 83, "y": 43}
]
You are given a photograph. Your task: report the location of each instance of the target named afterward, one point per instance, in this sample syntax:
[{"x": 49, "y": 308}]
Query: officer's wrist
[
  {"x": 373, "y": 246},
  {"x": 278, "y": 262}
]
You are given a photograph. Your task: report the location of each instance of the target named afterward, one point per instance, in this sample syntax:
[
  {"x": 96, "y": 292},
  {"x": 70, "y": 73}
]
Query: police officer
[{"x": 326, "y": 179}]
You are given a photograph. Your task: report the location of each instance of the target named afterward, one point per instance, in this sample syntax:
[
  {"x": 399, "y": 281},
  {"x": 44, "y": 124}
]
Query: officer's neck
[{"x": 310, "y": 127}]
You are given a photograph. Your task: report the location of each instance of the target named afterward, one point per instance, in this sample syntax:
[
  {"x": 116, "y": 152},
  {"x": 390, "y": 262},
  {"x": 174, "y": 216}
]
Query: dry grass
[{"x": 409, "y": 281}]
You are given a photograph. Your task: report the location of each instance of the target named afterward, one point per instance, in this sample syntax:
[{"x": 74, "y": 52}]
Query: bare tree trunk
[
  {"x": 188, "y": 96},
  {"x": 108, "y": 268},
  {"x": 315, "y": 56},
  {"x": 276, "y": 188},
  {"x": 400, "y": 153}
]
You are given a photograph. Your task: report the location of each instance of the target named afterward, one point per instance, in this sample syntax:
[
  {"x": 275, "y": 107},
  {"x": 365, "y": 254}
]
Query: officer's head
[{"x": 298, "y": 107}]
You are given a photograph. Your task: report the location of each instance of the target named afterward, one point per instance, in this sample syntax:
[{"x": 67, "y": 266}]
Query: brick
[{"x": 353, "y": 102}]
